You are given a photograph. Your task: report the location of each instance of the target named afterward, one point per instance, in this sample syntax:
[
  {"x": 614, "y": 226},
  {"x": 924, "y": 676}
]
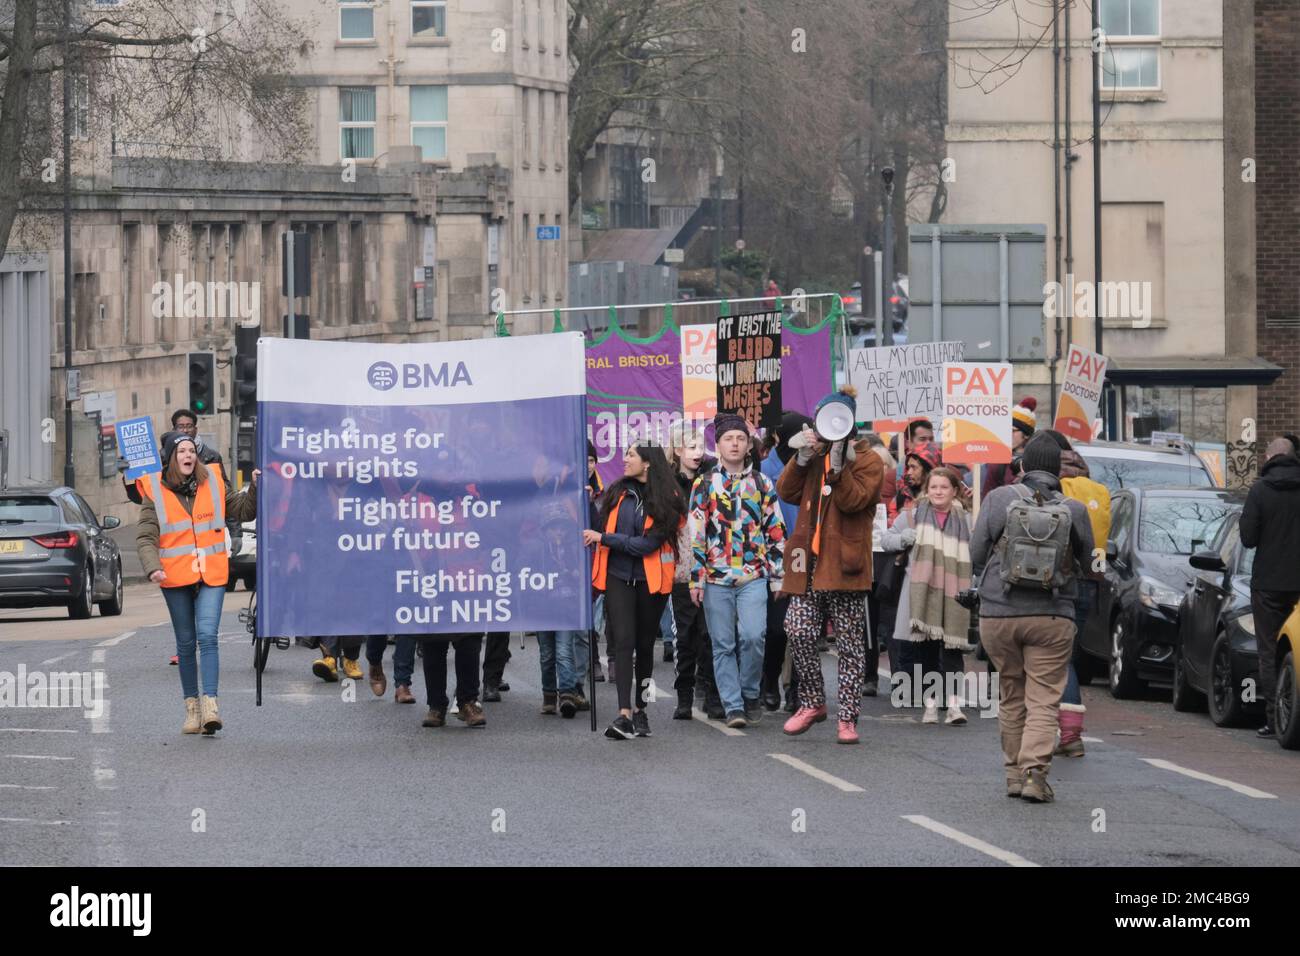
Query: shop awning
[{"x": 1193, "y": 371}]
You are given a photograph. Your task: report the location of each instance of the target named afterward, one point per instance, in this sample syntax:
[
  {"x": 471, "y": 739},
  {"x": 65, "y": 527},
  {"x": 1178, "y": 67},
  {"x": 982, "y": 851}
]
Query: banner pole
[{"x": 977, "y": 472}]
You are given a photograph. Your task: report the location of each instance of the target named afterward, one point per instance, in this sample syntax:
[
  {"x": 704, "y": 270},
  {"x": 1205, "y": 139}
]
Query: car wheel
[
  {"x": 83, "y": 604},
  {"x": 1288, "y": 705},
  {"x": 113, "y": 606},
  {"x": 1226, "y": 708},
  {"x": 1187, "y": 699},
  {"x": 1124, "y": 682}
]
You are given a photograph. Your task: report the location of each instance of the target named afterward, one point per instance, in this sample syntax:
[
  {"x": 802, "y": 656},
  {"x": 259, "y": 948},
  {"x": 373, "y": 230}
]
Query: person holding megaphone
[{"x": 835, "y": 480}]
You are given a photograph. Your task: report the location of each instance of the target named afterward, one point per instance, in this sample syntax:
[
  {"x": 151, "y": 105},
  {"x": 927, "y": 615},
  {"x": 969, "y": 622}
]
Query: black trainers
[
  {"x": 870, "y": 689},
  {"x": 753, "y": 711},
  {"x": 1266, "y": 732},
  {"x": 641, "y": 724},
  {"x": 620, "y": 729},
  {"x": 491, "y": 692},
  {"x": 736, "y": 719}
]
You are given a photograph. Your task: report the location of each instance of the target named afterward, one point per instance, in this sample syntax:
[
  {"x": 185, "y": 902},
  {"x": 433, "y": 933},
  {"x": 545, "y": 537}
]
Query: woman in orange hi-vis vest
[
  {"x": 183, "y": 547},
  {"x": 636, "y": 555}
]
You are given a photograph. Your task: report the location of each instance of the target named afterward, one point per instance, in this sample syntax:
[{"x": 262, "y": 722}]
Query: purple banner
[{"x": 634, "y": 386}]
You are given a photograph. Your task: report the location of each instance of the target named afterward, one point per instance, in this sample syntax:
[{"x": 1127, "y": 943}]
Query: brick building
[{"x": 1277, "y": 206}]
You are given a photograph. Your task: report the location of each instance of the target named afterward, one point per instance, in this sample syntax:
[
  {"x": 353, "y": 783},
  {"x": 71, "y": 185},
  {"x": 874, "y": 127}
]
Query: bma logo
[{"x": 382, "y": 375}]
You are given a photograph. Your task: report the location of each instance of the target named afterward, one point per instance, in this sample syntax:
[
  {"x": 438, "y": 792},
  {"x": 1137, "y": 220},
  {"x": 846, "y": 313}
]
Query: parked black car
[
  {"x": 1134, "y": 628},
  {"x": 54, "y": 552},
  {"x": 1216, "y": 654},
  {"x": 243, "y": 560}
]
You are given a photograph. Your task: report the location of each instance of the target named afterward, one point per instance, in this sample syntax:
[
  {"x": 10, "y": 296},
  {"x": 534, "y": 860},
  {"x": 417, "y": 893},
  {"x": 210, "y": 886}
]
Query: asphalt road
[{"x": 312, "y": 778}]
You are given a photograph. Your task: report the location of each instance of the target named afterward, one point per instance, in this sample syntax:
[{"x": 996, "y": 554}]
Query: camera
[{"x": 969, "y": 599}]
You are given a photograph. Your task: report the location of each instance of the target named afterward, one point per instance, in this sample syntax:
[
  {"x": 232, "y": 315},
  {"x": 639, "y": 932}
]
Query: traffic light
[
  {"x": 246, "y": 371},
  {"x": 202, "y": 366}
]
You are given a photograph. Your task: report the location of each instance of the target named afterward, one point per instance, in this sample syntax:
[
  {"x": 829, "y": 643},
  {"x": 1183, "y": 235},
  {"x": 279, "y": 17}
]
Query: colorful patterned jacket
[{"x": 739, "y": 533}]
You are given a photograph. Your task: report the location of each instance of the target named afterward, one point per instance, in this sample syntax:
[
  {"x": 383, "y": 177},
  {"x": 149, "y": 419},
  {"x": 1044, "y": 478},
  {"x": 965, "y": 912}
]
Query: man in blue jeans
[
  {"x": 403, "y": 666},
  {"x": 736, "y": 557}
]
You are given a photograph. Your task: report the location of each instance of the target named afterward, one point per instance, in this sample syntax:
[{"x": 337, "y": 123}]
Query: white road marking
[
  {"x": 97, "y": 655},
  {"x": 717, "y": 725},
  {"x": 816, "y": 774},
  {"x": 1220, "y": 781},
  {"x": 39, "y": 823},
  {"x": 35, "y": 730},
  {"x": 114, "y": 641},
  {"x": 54, "y": 660},
  {"x": 99, "y": 725},
  {"x": 1092, "y": 740},
  {"x": 23, "y": 786},
  {"x": 965, "y": 839},
  {"x": 37, "y": 757}
]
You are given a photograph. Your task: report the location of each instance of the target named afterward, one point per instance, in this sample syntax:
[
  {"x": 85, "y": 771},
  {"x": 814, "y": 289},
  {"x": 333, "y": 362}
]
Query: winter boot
[
  {"x": 191, "y": 725},
  {"x": 684, "y": 710},
  {"x": 1071, "y": 723},
  {"x": 548, "y": 702},
  {"x": 210, "y": 718}
]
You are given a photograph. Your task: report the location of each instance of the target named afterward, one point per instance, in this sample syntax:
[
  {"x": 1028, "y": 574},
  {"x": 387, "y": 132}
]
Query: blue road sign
[{"x": 548, "y": 232}]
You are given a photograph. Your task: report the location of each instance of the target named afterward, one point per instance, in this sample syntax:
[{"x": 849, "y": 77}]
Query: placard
[
  {"x": 977, "y": 413},
  {"x": 1085, "y": 374},
  {"x": 900, "y": 383},
  {"x": 135, "y": 438},
  {"x": 749, "y": 367}
]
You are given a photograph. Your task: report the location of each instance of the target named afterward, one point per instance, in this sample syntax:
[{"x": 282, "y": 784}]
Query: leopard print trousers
[{"x": 805, "y": 622}]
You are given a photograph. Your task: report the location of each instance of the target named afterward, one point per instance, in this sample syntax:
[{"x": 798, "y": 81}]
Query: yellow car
[{"x": 1288, "y": 687}]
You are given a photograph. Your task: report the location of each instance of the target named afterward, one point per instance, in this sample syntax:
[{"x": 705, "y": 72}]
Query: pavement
[
  {"x": 132, "y": 570},
  {"x": 328, "y": 774}
]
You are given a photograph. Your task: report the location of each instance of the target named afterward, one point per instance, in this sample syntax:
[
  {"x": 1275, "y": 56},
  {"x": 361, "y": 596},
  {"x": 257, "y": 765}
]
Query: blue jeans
[
  {"x": 195, "y": 612},
  {"x": 557, "y": 652},
  {"x": 403, "y": 656},
  {"x": 737, "y": 621},
  {"x": 1083, "y": 605},
  {"x": 668, "y": 625}
]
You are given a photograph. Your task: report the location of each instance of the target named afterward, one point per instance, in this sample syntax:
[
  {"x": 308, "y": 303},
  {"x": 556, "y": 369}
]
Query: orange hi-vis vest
[
  {"x": 192, "y": 546},
  {"x": 659, "y": 566}
]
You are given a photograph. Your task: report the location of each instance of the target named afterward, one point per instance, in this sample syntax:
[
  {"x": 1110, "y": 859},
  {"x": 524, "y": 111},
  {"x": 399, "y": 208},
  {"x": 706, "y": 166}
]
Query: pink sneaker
[
  {"x": 848, "y": 733},
  {"x": 804, "y": 718}
]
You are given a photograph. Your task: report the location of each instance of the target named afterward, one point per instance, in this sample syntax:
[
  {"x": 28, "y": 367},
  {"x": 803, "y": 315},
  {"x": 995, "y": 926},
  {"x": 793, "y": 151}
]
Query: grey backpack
[{"x": 1035, "y": 545}]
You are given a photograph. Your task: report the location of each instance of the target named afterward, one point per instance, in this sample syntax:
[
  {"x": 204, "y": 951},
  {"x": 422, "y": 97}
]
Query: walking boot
[
  {"x": 378, "y": 680},
  {"x": 804, "y": 718},
  {"x": 580, "y": 700},
  {"x": 568, "y": 706},
  {"x": 1015, "y": 783},
  {"x": 684, "y": 710},
  {"x": 325, "y": 669},
  {"x": 210, "y": 718},
  {"x": 548, "y": 702},
  {"x": 403, "y": 695},
  {"x": 847, "y": 732},
  {"x": 351, "y": 669},
  {"x": 1035, "y": 789},
  {"x": 713, "y": 708},
  {"x": 491, "y": 692},
  {"x": 191, "y": 725},
  {"x": 1070, "y": 720}
]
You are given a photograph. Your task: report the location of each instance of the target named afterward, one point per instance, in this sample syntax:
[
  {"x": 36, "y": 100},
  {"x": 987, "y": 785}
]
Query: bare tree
[{"x": 202, "y": 79}]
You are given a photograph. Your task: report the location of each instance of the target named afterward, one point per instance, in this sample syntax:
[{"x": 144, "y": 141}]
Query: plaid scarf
[{"x": 941, "y": 569}]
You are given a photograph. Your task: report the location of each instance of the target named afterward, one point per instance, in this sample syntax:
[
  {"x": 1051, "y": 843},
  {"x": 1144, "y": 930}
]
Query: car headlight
[
  {"x": 1247, "y": 623},
  {"x": 1153, "y": 593}
]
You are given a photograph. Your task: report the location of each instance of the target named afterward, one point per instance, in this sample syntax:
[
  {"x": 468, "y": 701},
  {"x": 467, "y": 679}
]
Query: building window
[
  {"x": 526, "y": 258},
  {"x": 429, "y": 120},
  {"x": 527, "y": 138},
  {"x": 1131, "y": 60},
  {"x": 357, "y": 122},
  {"x": 428, "y": 18},
  {"x": 356, "y": 20},
  {"x": 80, "y": 106}
]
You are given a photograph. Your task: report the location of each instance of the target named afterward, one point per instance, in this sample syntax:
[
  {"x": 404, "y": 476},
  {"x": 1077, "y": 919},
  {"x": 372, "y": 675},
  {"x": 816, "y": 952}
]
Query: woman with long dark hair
[{"x": 636, "y": 554}]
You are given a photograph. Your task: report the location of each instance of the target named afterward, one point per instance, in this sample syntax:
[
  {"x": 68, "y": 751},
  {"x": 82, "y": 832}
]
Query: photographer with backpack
[{"x": 1028, "y": 547}]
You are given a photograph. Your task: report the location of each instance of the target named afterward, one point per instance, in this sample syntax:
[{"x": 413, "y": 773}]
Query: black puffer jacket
[{"x": 1270, "y": 523}]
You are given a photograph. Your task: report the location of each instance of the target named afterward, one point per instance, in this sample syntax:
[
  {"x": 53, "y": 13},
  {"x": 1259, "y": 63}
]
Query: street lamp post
[
  {"x": 69, "y": 471},
  {"x": 887, "y": 282}
]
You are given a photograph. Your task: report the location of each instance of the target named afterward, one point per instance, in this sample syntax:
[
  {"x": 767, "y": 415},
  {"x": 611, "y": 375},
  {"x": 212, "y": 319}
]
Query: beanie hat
[
  {"x": 927, "y": 453},
  {"x": 169, "y": 442},
  {"x": 792, "y": 423},
  {"x": 1042, "y": 453},
  {"x": 591, "y": 449},
  {"x": 725, "y": 422},
  {"x": 1022, "y": 416}
]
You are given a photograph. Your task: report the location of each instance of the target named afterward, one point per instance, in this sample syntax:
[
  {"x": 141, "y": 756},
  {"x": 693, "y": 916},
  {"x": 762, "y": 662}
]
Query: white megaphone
[{"x": 836, "y": 417}]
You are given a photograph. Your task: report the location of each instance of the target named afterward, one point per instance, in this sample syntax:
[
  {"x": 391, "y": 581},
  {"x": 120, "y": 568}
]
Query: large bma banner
[
  {"x": 636, "y": 387},
  {"x": 422, "y": 488}
]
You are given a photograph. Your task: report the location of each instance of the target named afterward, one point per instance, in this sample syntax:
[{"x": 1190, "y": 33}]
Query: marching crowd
[{"x": 748, "y": 566}]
